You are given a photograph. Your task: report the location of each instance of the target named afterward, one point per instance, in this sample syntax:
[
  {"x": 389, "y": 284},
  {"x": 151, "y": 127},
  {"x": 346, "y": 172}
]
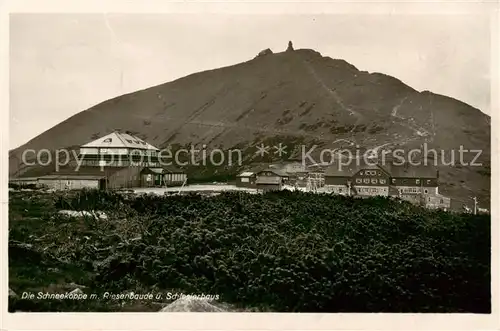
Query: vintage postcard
[{"x": 215, "y": 163}]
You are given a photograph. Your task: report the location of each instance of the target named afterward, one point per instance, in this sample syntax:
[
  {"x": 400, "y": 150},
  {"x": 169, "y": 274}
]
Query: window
[
  {"x": 426, "y": 191},
  {"x": 441, "y": 201},
  {"x": 366, "y": 180},
  {"x": 394, "y": 181},
  {"x": 374, "y": 180},
  {"x": 404, "y": 181},
  {"x": 359, "y": 180},
  {"x": 361, "y": 173},
  {"x": 382, "y": 181},
  {"x": 417, "y": 181},
  {"x": 107, "y": 140},
  {"x": 428, "y": 181},
  {"x": 244, "y": 179},
  {"x": 340, "y": 190},
  {"x": 129, "y": 141}
]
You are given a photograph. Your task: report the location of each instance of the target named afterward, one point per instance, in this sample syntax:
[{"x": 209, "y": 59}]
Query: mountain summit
[{"x": 297, "y": 96}]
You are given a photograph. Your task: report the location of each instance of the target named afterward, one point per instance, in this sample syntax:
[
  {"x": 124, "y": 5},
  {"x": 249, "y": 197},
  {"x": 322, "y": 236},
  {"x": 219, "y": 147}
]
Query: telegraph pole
[{"x": 475, "y": 205}]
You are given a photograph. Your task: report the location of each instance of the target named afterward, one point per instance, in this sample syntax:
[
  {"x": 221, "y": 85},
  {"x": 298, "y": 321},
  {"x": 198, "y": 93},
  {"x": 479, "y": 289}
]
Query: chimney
[{"x": 290, "y": 47}]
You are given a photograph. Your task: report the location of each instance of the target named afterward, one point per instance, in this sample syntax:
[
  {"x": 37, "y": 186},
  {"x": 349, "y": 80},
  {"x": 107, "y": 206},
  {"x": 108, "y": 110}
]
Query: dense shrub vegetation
[{"x": 283, "y": 251}]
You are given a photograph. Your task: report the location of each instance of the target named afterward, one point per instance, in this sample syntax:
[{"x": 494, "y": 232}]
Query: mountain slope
[{"x": 297, "y": 97}]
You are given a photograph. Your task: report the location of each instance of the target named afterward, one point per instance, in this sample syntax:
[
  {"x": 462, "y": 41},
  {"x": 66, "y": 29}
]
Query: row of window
[
  {"x": 371, "y": 180},
  {"x": 411, "y": 181},
  {"x": 441, "y": 201},
  {"x": 370, "y": 190},
  {"x": 131, "y": 152},
  {"x": 370, "y": 173},
  {"x": 383, "y": 181},
  {"x": 138, "y": 142},
  {"x": 119, "y": 163},
  {"x": 410, "y": 190}
]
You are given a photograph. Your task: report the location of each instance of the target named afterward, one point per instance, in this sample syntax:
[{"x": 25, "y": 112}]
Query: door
[{"x": 102, "y": 184}]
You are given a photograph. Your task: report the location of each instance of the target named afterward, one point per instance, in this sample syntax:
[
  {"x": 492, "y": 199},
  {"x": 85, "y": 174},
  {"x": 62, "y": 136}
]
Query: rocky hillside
[{"x": 294, "y": 97}]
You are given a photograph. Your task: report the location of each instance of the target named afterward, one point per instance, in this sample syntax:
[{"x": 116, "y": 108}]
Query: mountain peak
[{"x": 295, "y": 96}]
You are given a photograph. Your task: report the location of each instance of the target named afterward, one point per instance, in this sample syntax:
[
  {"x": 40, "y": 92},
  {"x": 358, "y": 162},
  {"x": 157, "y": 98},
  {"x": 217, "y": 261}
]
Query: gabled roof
[
  {"x": 120, "y": 140},
  {"x": 349, "y": 170},
  {"x": 412, "y": 171},
  {"x": 274, "y": 171},
  {"x": 161, "y": 170},
  {"x": 246, "y": 174},
  {"x": 86, "y": 171},
  {"x": 395, "y": 171},
  {"x": 74, "y": 176},
  {"x": 39, "y": 171}
]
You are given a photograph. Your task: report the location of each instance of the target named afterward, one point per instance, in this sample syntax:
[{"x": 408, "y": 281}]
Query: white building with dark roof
[{"x": 119, "y": 149}]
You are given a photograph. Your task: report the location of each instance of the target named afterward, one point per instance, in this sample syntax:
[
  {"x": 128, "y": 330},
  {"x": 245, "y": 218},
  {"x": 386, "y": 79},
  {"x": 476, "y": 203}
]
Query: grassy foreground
[{"x": 283, "y": 251}]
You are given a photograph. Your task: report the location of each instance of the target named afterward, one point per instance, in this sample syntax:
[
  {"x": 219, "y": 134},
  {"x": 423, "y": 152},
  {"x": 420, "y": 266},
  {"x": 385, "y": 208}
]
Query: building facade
[
  {"x": 270, "y": 180},
  {"x": 119, "y": 150},
  {"x": 246, "y": 179},
  {"x": 358, "y": 180},
  {"x": 161, "y": 177},
  {"x": 71, "y": 182},
  {"x": 416, "y": 184}
]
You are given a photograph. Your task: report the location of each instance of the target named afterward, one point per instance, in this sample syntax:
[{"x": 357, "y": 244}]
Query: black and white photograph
[{"x": 251, "y": 163}]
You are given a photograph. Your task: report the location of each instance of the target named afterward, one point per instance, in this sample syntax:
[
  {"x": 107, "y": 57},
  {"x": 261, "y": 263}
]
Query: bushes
[
  {"x": 88, "y": 199},
  {"x": 293, "y": 251}
]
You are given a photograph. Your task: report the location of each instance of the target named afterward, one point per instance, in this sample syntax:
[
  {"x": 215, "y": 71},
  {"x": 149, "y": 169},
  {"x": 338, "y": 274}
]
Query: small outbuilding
[
  {"x": 159, "y": 177},
  {"x": 246, "y": 179},
  {"x": 270, "y": 179}
]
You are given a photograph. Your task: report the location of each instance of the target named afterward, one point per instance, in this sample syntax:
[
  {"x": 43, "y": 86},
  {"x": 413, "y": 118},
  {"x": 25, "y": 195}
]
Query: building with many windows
[
  {"x": 414, "y": 183},
  {"x": 357, "y": 179},
  {"x": 119, "y": 150}
]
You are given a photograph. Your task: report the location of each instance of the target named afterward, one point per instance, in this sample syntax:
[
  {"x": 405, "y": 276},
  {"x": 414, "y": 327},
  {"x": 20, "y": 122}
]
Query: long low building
[
  {"x": 418, "y": 184},
  {"x": 71, "y": 182}
]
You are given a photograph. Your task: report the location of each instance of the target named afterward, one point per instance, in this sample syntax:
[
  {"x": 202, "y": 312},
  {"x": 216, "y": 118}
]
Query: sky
[{"x": 62, "y": 64}]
